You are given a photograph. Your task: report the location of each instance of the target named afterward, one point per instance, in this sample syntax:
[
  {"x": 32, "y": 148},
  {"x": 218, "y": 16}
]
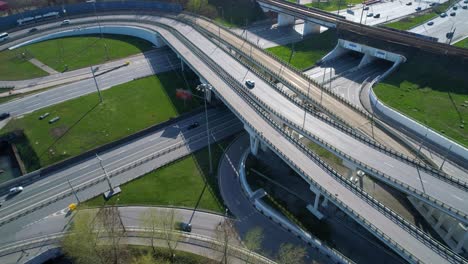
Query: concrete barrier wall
[
  {"x": 9, "y": 22},
  {"x": 106, "y": 29},
  {"x": 423, "y": 131}
]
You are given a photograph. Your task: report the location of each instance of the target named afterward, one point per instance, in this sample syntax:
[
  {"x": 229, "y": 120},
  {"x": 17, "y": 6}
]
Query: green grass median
[
  {"x": 14, "y": 67},
  {"x": 462, "y": 44},
  {"x": 179, "y": 184},
  {"x": 307, "y": 52},
  {"x": 333, "y": 5},
  {"x": 85, "y": 124},
  {"x": 84, "y": 51},
  {"x": 432, "y": 90}
]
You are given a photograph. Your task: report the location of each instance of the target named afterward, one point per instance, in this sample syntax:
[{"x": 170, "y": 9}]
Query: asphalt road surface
[
  {"x": 443, "y": 25},
  {"x": 222, "y": 124}
]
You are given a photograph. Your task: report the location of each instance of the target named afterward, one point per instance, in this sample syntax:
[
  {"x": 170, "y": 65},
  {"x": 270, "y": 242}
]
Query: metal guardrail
[
  {"x": 434, "y": 172},
  {"x": 233, "y": 83},
  {"x": 199, "y": 240},
  {"x": 382, "y": 176},
  {"x": 101, "y": 178},
  {"x": 238, "y": 88}
]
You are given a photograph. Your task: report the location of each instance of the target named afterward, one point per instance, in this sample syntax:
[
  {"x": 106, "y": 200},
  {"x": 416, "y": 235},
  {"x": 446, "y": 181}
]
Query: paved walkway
[{"x": 43, "y": 66}]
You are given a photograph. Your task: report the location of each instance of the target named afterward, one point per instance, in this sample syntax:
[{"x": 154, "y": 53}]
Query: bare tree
[
  {"x": 167, "y": 222},
  {"x": 227, "y": 236},
  {"x": 151, "y": 222},
  {"x": 111, "y": 227},
  {"x": 253, "y": 240},
  {"x": 81, "y": 243},
  {"x": 290, "y": 254}
]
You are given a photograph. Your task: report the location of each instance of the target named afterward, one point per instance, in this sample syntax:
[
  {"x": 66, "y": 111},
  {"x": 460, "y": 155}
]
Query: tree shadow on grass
[{"x": 66, "y": 132}]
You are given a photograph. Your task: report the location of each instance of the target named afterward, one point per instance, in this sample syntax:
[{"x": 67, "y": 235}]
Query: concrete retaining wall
[
  {"x": 106, "y": 29},
  {"x": 446, "y": 145}
]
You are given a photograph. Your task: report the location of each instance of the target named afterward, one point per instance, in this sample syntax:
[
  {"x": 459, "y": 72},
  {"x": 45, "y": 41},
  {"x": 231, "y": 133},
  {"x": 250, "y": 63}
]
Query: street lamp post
[
  {"x": 99, "y": 25},
  {"x": 207, "y": 88},
  {"x": 73, "y": 190},
  {"x": 96, "y": 83},
  {"x": 112, "y": 190},
  {"x": 305, "y": 102}
]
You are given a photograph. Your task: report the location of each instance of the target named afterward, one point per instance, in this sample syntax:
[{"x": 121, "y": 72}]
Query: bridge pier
[
  {"x": 285, "y": 20},
  {"x": 366, "y": 60},
  {"x": 461, "y": 243},
  {"x": 254, "y": 141},
  {"x": 310, "y": 28},
  {"x": 314, "y": 209},
  {"x": 159, "y": 42}
]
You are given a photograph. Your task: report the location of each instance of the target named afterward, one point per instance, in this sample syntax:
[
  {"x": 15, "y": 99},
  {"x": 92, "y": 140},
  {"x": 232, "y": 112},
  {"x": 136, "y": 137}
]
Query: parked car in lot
[
  {"x": 43, "y": 116},
  {"x": 418, "y": 8},
  {"x": 409, "y": 3},
  {"x": 193, "y": 125},
  {"x": 377, "y": 16},
  {"x": 432, "y": 4},
  {"x": 15, "y": 190},
  {"x": 430, "y": 23},
  {"x": 466, "y": 1},
  {"x": 370, "y": 15},
  {"x": 453, "y": 14},
  {"x": 443, "y": 15},
  {"x": 366, "y": 8},
  {"x": 4, "y": 116},
  {"x": 250, "y": 83},
  {"x": 465, "y": 7}
]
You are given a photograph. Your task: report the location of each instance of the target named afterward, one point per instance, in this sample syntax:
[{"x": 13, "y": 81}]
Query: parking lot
[{"x": 457, "y": 23}]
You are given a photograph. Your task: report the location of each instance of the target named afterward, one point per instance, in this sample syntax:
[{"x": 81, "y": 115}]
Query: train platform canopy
[{"x": 4, "y": 6}]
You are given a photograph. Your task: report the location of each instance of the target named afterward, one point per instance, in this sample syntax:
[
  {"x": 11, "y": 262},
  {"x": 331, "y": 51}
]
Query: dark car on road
[
  {"x": 4, "y": 116},
  {"x": 377, "y": 16},
  {"x": 443, "y": 15},
  {"x": 418, "y": 8},
  {"x": 453, "y": 14},
  {"x": 465, "y": 7},
  {"x": 32, "y": 30},
  {"x": 409, "y": 3},
  {"x": 192, "y": 126},
  {"x": 430, "y": 23}
]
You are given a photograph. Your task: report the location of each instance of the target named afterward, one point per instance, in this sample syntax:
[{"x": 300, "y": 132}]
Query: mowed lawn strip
[
  {"x": 432, "y": 90},
  {"x": 85, "y": 124},
  {"x": 13, "y": 66},
  {"x": 83, "y": 51},
  {"x": 462, "y": 44},
  {"x": 307, "y": 51},
  {"x": 178, "y": 184},
  {"x": 332, "y": 5}
]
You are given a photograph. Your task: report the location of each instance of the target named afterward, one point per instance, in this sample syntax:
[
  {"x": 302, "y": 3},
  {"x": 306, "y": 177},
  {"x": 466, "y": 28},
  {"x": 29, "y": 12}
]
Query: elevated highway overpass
[
  {"x": 197, "y": 51},
  {"x": 319, "y": 17}
]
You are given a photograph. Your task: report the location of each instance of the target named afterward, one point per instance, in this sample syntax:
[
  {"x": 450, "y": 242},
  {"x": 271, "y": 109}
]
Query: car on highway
[
  {"x": 250, "y": 83},
  {"x": 4, "y": 116},
  {"x": 418, "y": 8},
  {"x": 377, "y": 16},
  {"x": 366, "y": 8},
  {"x": 465, "y": 7},
  {"x": 193, "y": 125},
  {"x": 32, "y": 30},
  {"x": 65, "y": 22},
  {"x": 370, "y": 15},
  {"x": 432, "y": 4},
  {"x": 430, "y": 23},
  {"x": 15, "y": 190},
  {"x": 186, "y": 227},
  {"x": 409, "y": 3},
  {"x": 443, "y": 15},
  {"x": 455, "y": 8},
  {"x": 453, "y": 14}
]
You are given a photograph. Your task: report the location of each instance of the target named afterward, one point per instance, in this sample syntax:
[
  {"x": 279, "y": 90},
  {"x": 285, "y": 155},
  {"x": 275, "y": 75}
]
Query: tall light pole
[
  {"x": 207, "y": 89},
  {"x": 73, "y": 190},
  {"x": 96, "y": 83},
  {"x": 112, "y": 190},
  {"x": 99, "y": 25},
  {"x": 305, "y": 102}
]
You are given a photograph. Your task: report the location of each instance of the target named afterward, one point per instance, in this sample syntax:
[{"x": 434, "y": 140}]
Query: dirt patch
[{"x": 57, "y": 132}]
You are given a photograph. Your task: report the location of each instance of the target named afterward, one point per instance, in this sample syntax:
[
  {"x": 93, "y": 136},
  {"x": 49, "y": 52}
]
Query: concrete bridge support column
[
  {"x": 440, "y": 221},
  {"x": 461, "y": 242},
  {"x": 310, "y": 28},
  {"x": 366, "y": 60},
  {"x": 254, "y": 141},
  {"x": 285, "y": 20},
  {"x": 314, "y": 209},
  {"x": 159, "y": 42}
]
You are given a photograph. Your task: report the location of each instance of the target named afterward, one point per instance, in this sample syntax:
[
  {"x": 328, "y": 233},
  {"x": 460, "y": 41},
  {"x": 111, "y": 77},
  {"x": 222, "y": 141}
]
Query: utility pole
[
  {"x": 96, "y": 83},
  {"x": 207, "y": 88},
  {"x": 112, "y": 191},
  {"x": 362, "y": 13},
  {"x": 100, "y": 28},
  {"x": 323, "y": 84}
]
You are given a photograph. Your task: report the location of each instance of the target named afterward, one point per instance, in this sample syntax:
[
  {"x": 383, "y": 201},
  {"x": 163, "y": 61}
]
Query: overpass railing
[
  {"x": 434, "y": 172},
  {"x": 414, "y": 231}
]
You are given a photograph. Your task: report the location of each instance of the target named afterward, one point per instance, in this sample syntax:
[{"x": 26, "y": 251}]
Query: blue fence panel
[{"x": 10, "y": 22}]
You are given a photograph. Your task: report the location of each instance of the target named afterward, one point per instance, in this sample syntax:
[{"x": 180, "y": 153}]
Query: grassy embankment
[{"x": 432, "y": 90}]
